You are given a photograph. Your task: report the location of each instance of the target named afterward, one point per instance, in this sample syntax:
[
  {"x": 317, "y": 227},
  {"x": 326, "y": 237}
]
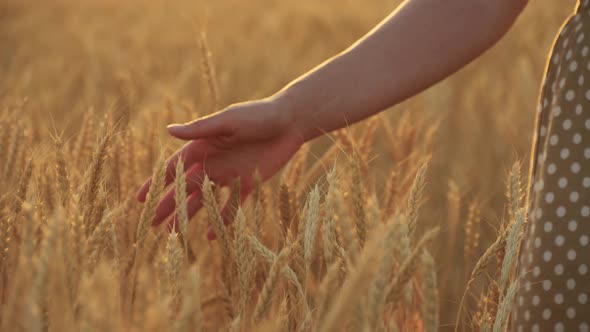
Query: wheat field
[{"x": 408, "y": 221}]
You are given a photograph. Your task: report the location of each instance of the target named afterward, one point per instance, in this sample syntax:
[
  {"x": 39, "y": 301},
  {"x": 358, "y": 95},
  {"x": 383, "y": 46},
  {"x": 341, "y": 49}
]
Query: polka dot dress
[{"x": 554, "y": 293}]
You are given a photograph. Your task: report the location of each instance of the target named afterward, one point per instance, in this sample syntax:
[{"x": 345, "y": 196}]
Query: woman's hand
[{"x": 227, "y": 145}]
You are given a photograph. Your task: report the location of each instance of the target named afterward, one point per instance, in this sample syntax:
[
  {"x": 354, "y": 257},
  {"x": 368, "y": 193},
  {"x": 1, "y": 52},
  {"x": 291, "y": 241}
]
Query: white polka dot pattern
[{"x": 554, "y": 263}]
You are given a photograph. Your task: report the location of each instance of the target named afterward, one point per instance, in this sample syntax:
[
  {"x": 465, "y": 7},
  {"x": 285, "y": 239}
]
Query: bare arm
[{"x": 418, "y": 45}]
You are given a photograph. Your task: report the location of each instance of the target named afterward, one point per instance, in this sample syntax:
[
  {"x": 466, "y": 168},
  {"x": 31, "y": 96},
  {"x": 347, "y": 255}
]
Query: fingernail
[{"x": 174, "y": 125}]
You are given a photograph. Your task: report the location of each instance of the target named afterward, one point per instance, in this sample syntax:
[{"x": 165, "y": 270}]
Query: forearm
[{"x": 420, "y": 44}]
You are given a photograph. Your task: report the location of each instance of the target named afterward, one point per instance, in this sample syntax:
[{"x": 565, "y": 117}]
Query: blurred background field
[{"x": 141, "y": 63}]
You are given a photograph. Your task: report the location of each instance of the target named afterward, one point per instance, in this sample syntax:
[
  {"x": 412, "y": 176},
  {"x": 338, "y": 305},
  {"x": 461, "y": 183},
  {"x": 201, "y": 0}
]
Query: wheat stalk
[
  {"x": 408, "y": 267},
  {"x": 358, "y": 203},
  {"x": 329, "y": 227},
  {"x": 62, "y": 173},
  {"x": 270, "y": 284},
  {"x": 512, "y": 243},
  {"x": 244, "y": 261},
  {"x": 311, "y": 225},
  {"x": 270, "y": 257},
  {"x": 415, "y": 198},
  {"x": 180, "y": 200},
  {"x": 152, "y": 199},
  {"x": 471, "y": 232},
  {"x": 209, "y": 70},
  {"x": 480, "y": 266},
  {"x": 504, "y": 309},
  {"x": 376, "y": 295},
  {"x": 356, "y": 284},
  {"x": 216, "y": 221},
  {"x": 430, "y": 305}
]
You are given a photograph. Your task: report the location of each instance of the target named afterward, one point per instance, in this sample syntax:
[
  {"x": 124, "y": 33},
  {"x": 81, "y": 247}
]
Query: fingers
[
  {"x": 191, "y": 153},
  {"x": 220, "y": 123},
  {"x": 167, "y": 205}
]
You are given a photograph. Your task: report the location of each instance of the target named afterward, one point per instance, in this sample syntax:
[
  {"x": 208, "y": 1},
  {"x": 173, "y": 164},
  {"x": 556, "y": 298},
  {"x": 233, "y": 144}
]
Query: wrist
[{"x": 297, "y": 111}]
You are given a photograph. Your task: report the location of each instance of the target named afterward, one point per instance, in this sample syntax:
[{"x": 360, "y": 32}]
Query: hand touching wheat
[{"x": 227, "y": 145}]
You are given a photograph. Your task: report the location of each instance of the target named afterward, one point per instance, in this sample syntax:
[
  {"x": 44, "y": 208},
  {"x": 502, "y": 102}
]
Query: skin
[{"x": 416, "y": 46}]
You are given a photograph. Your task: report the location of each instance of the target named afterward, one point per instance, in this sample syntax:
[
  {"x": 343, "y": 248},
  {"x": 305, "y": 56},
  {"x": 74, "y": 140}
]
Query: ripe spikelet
[
  {"x": 512, "y": 243},
  {"x": 99, "y": 311},
  {"x": 375, "y": 213},
  {"x": 270, "y": 284},
  {"x": 114, "y": 243},
  {"x": 329, "y": 227},
  {"x": 209, "y": 70},
  {"x": 244, "y": 261},
  {"x": 260, "y": 201},
  {"x": 307, "y": 323},
  {"x": 343, "y": 261},
  {"x": 62, "y": 173},
  {"x": 415, "y": 198},
  {"x": 8, "y": 223},
  {"x": 235, "y": 199},
  {"x": 180, "y": 200},
  {"x": 149, "y": 208},
  {"x": 45, "y": 188},
  {"x": 348, "y": 297},
  {"x": 358, "y": 202},
  {"x": 94, "y": 176},
  {"x": 285, "y": 207},
  {"x": 345, "y": 228},
  {"x": 296, "y": 168},
  {"x": 491, "y": 303},
  {"x": 21, "y": 192},
  {"x": 298, "y": 257},
  {"x": 345, "y": 141},
  {"x": 34, "y": 315},
  {"x": 514, "y": 190},
  {"x": 359, "y": 318},
  {"x": 236, "y": 324},
  {"x": 311, "y": 225},
  {"x": 128, "y": 160},
  {"x": 454, "y": 213},
  {"x": 4, "y": 138},
  {"x": 403, "y": 247},
  {"x": 500, "y": 255},
  {"x": 216, "y": 220},
  {"x": 478, "y": 317},
  {"x": 471, "y": 232},
  {"x": 96, "y": 241},
  {"x": 12, "y": 151},
  {"x": 504, "y": 308},
  {"x": 190, "y": 317},
  {"x": 27, "y": 244},
  {"x": 486, "y": 259},
  {"x": 409, "y": 267},
  {"x": 376, "y": 294},
  {"x": 366, "y": 141},
  {"x": 391, "y": 193},
  {"x": 269, "y": 256},
  {"x": 489, "y": 255},
  {"x": 81, "y": 146},
  {"x": 328, "y": 289},
  {"x": 430, "y": 305},
  {"x": 174, "y": 264},
  {"x": 97, "y": 212}
]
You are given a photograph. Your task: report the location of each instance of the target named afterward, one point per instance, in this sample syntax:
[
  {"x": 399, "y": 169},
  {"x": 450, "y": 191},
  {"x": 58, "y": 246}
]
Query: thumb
[{"x": 216, "y": 124}]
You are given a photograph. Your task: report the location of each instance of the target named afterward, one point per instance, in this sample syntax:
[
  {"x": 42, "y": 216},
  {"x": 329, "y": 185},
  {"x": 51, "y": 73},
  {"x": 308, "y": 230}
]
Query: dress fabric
[{"x": 553, "y": 269}]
